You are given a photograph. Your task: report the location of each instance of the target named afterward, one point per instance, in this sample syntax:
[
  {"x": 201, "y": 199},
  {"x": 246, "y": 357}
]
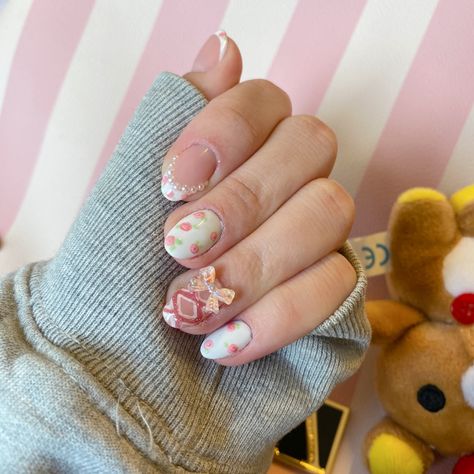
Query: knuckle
[
  {"x": 341, "y": 274},
  {"x": 245, "y": 194},
  {"x": 232, "y": 117},
  {"x": 270, "y": 91},
  {"x": 338, "y": 203},
  {"x": 327, "y": 138},
  {"x": 321, "y": 139}
]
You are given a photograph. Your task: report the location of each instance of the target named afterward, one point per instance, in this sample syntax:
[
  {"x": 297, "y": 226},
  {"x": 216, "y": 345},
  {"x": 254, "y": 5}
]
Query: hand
[
  {"x": 267, "y": 218},
  {"x": 279, "y": 223}
]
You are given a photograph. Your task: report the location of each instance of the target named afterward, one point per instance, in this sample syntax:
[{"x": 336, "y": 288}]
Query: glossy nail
[
  {"x": 188, "y": 172},
  {"x": 198, "y": 302},
  {"x": 194, "y": 234},
  {"x": 226, "y": 341},
  {"x": 211, "y": 52}
]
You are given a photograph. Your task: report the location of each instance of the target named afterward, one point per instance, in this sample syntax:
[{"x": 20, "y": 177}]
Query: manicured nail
[
  {"x": 211, "y": 52},
  {"x": 194, "y": 234},
  {"x": 188, "y": 172},
  {"x": 200, "y": 300},
  {"x": 226, "y": 341}
]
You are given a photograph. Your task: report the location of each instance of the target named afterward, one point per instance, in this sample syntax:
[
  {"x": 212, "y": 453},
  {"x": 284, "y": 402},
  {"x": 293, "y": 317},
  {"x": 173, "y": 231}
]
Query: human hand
[
  {"x": 97, "y": 303},
  {"x": 267, "y": 218}
]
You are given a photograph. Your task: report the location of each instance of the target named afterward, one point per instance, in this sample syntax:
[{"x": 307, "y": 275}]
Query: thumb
[{"x": 217, "y": 67}]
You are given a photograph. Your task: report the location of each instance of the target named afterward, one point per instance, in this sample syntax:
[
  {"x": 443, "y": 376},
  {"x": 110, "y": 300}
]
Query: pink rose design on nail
[
  {"x": 232, "y": 348},
  {"x": 185, "y": 226},
  {"x": 164, "y": 180},
  {"x": 170, "y": 240},
  {"x": 194, "y": 249},
  {"x": 170, "y": 194},
  {"x": 231, "y": 327},
  {"x": 199, "y": 215},
  {"x": 213, "y": 236},
  {"x": 208, "y": 344}
]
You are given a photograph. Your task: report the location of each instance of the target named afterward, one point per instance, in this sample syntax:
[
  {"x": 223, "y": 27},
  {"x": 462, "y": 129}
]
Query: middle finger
[
  {"x": 199, "y": 232},
  {"x": 310, "y": 225}
]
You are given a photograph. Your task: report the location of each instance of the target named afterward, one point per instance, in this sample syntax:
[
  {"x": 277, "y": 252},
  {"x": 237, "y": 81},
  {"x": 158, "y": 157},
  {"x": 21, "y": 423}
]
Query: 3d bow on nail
[
  {"x": 194, "y": 304},
  {"x": 205, "y": 281}
]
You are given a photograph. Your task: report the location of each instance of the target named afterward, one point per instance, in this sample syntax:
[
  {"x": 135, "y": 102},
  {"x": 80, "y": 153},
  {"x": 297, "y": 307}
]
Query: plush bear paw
[
  {"x": 419, "y": 194},
  {"x": 389, "y": 454}
]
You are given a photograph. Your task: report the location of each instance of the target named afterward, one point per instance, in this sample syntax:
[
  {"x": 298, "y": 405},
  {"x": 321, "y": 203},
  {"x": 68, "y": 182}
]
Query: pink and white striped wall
[{"x": 392, "y": 78}]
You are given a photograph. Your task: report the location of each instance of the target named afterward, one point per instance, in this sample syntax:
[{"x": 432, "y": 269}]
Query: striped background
[{"x": 394, "y": 79}]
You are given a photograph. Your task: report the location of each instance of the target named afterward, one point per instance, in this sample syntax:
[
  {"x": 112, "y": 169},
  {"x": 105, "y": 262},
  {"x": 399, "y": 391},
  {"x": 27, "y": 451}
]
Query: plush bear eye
[{"x": 431, "y": 398}]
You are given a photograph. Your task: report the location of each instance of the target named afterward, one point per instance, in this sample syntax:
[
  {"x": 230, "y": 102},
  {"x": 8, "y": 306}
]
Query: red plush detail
[
  {"x": 462, "y": 308},
  {"x": 465, "y": 465}
]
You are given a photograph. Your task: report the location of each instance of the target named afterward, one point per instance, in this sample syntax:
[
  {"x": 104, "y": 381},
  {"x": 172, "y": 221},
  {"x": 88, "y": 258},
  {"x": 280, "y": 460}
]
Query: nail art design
[
  {"x": 206, "y": 281},
  {"x": 223, "y": 42},
  {"x": 211, "y": 52},
  {"x": 227, "y": 340},
  {"x": 188, "y": 172},
  {"x": 175, "y": 191},
  {"x": 196, "y": 303},
  {"x": 194, "y": 234}
]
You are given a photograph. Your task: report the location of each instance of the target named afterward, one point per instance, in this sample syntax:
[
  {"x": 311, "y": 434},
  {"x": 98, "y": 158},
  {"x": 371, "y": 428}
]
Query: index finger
[{"x": 225, "y": 134}]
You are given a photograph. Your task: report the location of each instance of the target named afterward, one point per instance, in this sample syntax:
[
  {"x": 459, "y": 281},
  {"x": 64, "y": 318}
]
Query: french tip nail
[
  {"x": 168, "y": 314},
  {"x": 223, "y": 41},
  {"x": 208, "y": 56},
  {"x": 169, "y": 192}
]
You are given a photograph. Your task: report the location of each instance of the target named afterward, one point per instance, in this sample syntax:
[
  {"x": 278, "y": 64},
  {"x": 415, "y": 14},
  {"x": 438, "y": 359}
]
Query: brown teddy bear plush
[
  {"x": 425, "y": 372},
  {"x": 432, "y": 247}
]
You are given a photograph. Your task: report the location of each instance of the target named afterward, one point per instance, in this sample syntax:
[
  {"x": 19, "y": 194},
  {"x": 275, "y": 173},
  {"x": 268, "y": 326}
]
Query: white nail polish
[
  {"x": 226, "y": 341},
  {"x": 194, "y": 234},
  {"x": 223, "y": 41}
]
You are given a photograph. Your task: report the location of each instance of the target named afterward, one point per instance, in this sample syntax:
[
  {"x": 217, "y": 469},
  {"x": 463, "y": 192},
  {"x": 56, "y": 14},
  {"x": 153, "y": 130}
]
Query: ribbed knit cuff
[
  {"x": 112, "y": 272},
  {"x": 101, "y": 297}
]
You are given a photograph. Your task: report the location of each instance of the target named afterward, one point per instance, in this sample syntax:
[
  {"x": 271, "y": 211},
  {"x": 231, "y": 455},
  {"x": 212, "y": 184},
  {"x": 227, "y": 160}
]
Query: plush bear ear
[
  {"x": 463, "y": 204},
  {"x": 423, "y": 230},
  {"x": 390, "y": 319}
]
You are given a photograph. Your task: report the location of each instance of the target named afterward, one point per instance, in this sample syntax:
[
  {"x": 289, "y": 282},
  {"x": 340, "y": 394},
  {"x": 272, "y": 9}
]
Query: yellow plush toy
[{"x": 425, "y": 372}]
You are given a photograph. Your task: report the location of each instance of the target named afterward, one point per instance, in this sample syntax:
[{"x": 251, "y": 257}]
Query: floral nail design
[
  {"x": 227, "y": 340},
  {"x": 186, "y": 226},
  {"x": 194, "y": 234},
  {"x": 196, "y": 303}
]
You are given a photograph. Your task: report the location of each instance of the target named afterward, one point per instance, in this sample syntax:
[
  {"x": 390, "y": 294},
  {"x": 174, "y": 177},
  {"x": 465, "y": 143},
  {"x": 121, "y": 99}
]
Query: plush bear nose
[{"x": 462, "y": 308}]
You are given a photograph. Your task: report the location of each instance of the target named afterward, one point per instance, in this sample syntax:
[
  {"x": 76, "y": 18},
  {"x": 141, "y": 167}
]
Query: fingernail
[
  {"x": 226, "y": 341},
  {"x": 188, "y": 172},
  {"x": 211, "y": 52},
  {"x": 194, "y": 234},
  {"x": 198, "y": 302}
]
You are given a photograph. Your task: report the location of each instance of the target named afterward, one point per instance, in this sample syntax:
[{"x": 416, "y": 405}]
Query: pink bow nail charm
[
  {"x": 192, "y": 305},
  {"x": 205, "y": 281}
]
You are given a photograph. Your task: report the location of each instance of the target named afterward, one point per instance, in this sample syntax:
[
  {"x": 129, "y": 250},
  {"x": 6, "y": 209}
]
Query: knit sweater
[{"x": 94, "y": 381}]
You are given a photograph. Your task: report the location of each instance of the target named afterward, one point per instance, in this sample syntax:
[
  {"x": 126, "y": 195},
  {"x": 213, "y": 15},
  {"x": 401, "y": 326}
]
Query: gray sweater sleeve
[{"x": 93, "y": 380}]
